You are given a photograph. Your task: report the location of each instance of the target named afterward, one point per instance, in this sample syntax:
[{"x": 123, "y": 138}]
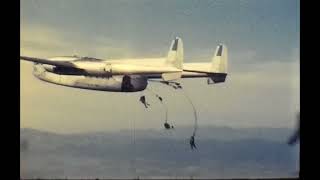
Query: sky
[{"x": 262, "y": 88}]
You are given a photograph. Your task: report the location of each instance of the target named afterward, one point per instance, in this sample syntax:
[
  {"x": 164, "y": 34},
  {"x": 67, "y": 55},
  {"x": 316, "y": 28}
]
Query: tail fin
[
  {"x": 220, "y": 60},
  {"x": 175, "y": 54},
  {"x": 219, "y": 66},
  {"x": 174, "y": 59}
]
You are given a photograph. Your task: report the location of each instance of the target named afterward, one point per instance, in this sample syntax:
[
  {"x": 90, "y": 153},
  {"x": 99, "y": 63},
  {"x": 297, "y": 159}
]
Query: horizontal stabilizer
[
  {"x": 217, "y": 78},
  {"x": 171, "y": 76}
]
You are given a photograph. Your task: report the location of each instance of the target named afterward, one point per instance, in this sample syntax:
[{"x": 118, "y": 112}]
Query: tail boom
[{"x": 216, "y": 71}]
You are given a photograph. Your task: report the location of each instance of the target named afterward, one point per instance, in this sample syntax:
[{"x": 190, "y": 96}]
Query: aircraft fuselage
[{"x": 116, "y": 83}]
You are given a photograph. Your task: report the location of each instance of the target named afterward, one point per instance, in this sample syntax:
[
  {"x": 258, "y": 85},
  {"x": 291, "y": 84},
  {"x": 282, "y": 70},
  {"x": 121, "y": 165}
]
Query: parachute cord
[
  {"x": 177, "y": 86},
  {"x": 194, "y": 112},
  {"x": 166, "y": 109},
  {"x": 163, "y": 104},
  {"x": 172, "y": 134}
]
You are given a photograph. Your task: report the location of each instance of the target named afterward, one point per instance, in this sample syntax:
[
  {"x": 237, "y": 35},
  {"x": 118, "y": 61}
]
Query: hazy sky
[{"x": 262, "y": 36}]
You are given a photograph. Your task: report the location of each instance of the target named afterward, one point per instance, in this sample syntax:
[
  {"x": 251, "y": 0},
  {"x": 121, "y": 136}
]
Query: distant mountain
[{"x": 222, "y": 152}]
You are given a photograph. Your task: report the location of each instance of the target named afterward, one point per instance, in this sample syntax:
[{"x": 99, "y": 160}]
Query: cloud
[{"x": 45, "y": 41}]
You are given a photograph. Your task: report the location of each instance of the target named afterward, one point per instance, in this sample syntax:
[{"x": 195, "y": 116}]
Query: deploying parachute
[{"x": 167, "y": 126}]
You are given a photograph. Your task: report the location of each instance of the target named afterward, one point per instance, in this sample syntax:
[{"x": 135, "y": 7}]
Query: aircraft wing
[{"x": 50, "y": 62}]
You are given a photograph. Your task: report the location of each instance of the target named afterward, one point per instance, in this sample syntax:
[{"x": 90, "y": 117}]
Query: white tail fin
[
  {"x": 219, "y": 66},
  {"x": 220, "y": 60},
  {"x": 174, "y": 59},
  {"x": 175, "y": 54}
]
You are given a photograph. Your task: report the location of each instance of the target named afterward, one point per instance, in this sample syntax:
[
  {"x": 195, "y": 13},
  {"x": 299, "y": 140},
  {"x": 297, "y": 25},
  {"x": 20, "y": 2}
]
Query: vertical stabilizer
[
  {"x": 219, "y": 65},
  {"x": 220, "y": 60},
  {"x": 174, "y": 59},
  {"x": 175, "y": 54}
]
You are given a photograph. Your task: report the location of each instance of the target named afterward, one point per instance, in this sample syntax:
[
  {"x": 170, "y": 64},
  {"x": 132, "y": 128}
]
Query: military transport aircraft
[{"x": 128, "y": 75}]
